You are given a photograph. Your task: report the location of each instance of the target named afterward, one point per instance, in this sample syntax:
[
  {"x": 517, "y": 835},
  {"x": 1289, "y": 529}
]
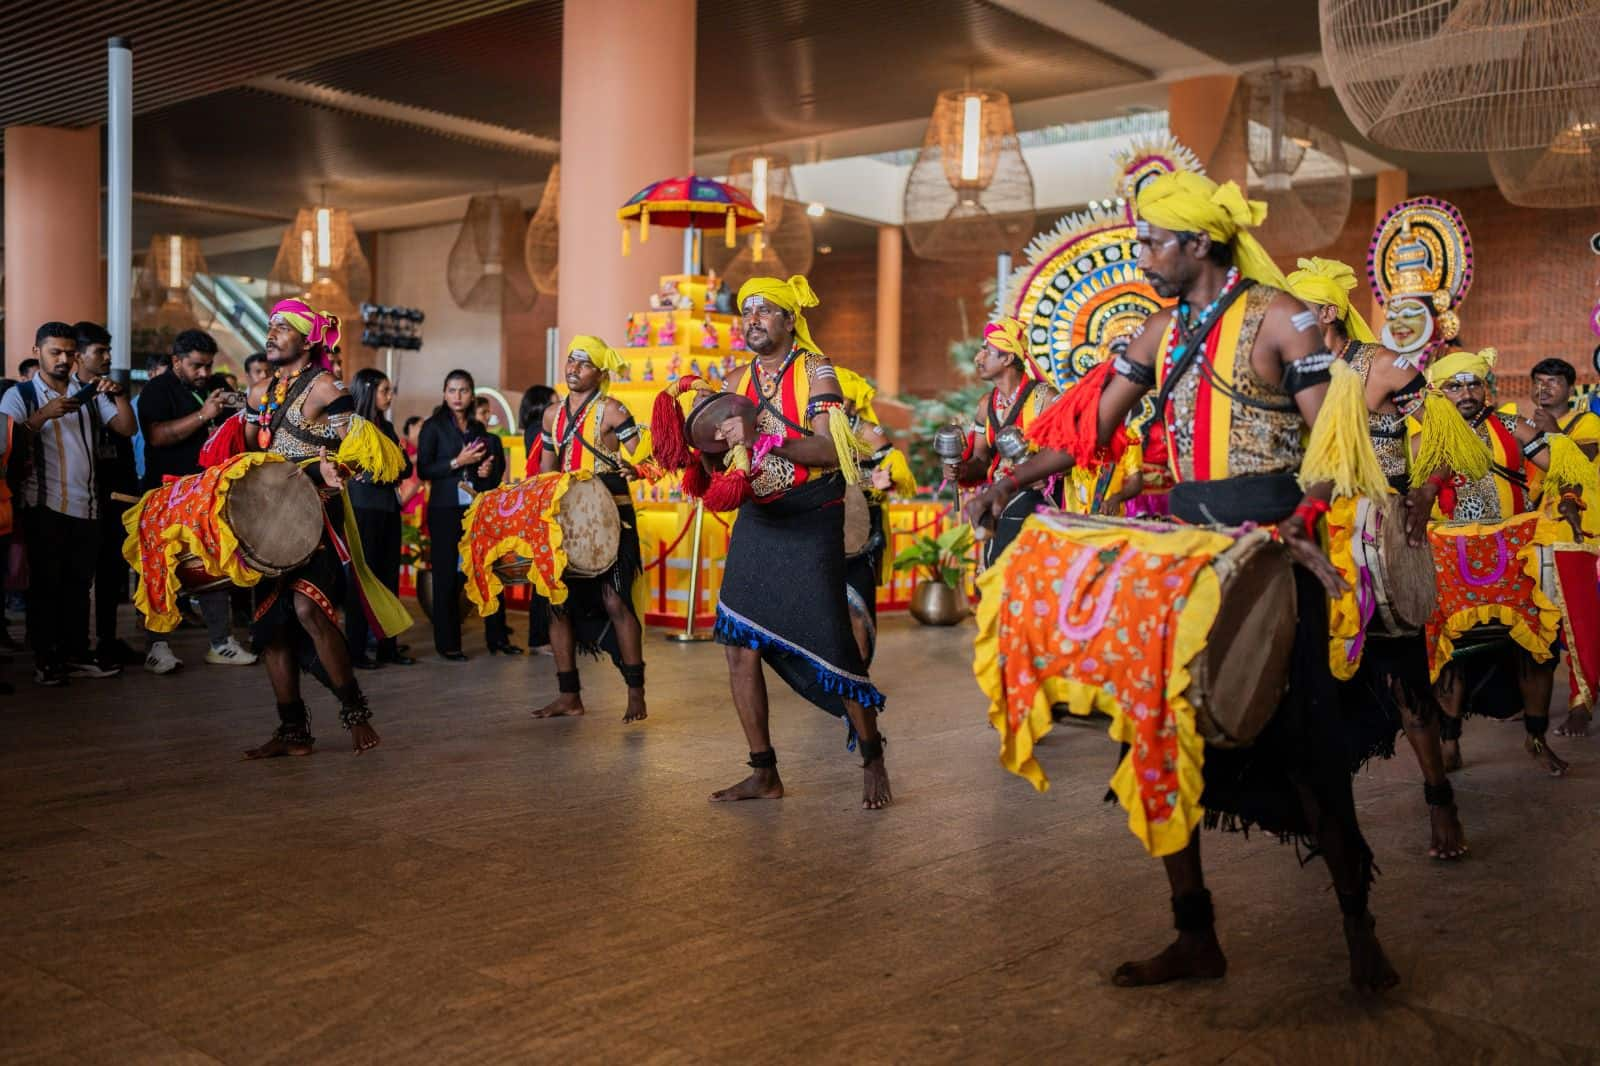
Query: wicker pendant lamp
[
  {"x": 542, "y": 245},
  {"x": 485, "y": 271},
  {"x": 320, "y": 257},
  {"x": 1296, "y": 167},
  {"x": 784, "y": 243},
  {"x": 970, "y": 193},
  {"x": 1462, "y": 76},
  {"x": 163, "y": 295},
  {"x": 1565, "y": 174}
]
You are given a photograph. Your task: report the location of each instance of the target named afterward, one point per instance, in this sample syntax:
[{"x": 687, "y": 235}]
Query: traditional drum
[
  {"x": 1400, "y": 575},
  {"x": 857, "y": 521},
  {"x": 540, "y": 531},
  {"x": 1496, "y": 580}
]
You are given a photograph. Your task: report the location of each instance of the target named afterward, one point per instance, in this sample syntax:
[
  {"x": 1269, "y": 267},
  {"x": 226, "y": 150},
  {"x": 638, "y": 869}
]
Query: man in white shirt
[{"x": 59, "y": 502}]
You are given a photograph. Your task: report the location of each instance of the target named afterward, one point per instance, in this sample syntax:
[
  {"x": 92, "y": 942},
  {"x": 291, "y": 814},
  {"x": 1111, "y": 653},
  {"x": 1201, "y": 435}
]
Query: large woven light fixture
[
  {"x": 320, "y": 258},
  {"x": 485, "y": 270},
  {"x": 1463, "y": 76},
  {"x": 786, "y": 242},
  {"x": 969, "y": 193},
  {"x": 1565, "y": 174},
  {"x": 163, "y": 295},
  {"x": 1296, "y": 166},
  {"x": 542, "y": 245}
]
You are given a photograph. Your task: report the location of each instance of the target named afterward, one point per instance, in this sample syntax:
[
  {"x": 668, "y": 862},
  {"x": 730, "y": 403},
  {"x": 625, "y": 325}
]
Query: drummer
[
  {"x": 589, "y": 430},
  {"x": 1236, "y": 414},
  {"x": 1516, "y": 445},
  {"x": 1019, "y": 396},
  {"x": 1393, "y": 670}
]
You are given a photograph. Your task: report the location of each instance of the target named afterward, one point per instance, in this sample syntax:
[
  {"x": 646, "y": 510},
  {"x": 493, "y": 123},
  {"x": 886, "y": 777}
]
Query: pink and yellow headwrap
[
  {"x": 1011, "y": 336},
  {"x": 317, "y": 328},
  {"x": 1327, "y": 282},
  {"x": 1185, "y": 202}
]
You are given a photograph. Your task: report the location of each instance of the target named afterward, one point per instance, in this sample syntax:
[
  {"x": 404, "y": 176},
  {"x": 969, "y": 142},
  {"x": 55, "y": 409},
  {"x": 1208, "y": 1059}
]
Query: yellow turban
[
  {"x": 793, "y": 296},
  {"x": 1011, "y": 336},
  {"x": 1185, "y": 202},
  {"x": 857, "y": 390},
  {"x": 604, "y": 357},
  {"x": 1477, "y": 364},
  {"x": 1327, "y": 283}
]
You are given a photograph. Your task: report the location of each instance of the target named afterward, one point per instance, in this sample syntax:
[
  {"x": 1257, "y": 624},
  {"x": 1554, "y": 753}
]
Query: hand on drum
[
  {"x": 1419, "y": 508},
  {"x": 732, "y": 431},
  {"x": 1570, "y": 509},
  {"x": 332, "y": 476},
  {"x": 1309, "y": 554}
]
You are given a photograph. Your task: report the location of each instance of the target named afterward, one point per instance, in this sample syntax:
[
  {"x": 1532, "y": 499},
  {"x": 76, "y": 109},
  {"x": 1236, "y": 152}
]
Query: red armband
[{"x": 1309, "y": 512}]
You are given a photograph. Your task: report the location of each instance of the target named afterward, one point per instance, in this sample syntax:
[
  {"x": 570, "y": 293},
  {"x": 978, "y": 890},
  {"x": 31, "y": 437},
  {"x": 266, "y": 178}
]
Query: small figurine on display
[
  {"x": 709, "y": 337},
  {"x": 638, "y": 331},
  {"x": 719, "y": 299},
  {"x": 728, "y": 361},
  {"x": 674, "y": 367},
  {"x": 736, "y": 341},
  {"x": 667, "y": 333},
  {"x": 666, "y": 299},
  {"x": 714, "y": 372},
  {"x": 694, "y": 367},
  {"x": 649, "y": 369}
]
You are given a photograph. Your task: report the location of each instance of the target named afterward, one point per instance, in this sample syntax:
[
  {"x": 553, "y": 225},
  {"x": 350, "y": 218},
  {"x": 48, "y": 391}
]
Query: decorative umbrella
[{"x": 691, "y": 203}]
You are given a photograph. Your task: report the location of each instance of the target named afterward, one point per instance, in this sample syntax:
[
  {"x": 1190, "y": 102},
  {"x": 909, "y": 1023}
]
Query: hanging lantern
[
  {"x": 542, "y": 244},
  {"x": 1564, "y": 174},
  {"x": 1471, "y": 76},
  {"x": 969, "y": 193},
  {"x": 485, "y": 270},
  {"x": 1297, "y": 167},
  {"x": 785, "y": 242},
  {"x": 163, "y": 295},
  {"x": 320, "y": 255}
]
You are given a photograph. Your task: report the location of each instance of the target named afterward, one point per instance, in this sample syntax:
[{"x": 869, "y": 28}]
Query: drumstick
[{"x": 123, "y": 497}]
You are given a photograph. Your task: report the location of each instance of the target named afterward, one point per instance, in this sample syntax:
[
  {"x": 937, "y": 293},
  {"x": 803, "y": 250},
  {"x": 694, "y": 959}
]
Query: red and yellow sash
[
  {"x": 578, "y": 456},
  {"x": 794, "y": 395},
  {"x": 1213, "y": 410}
]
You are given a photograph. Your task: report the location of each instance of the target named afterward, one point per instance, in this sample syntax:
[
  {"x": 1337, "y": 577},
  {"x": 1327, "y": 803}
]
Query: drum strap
[
  {"x": 995, "y": 425},
  {"x": 766, "y": 404},
  {"x": 280, "y": 415},
  {"x": 1191, "y": 346}
]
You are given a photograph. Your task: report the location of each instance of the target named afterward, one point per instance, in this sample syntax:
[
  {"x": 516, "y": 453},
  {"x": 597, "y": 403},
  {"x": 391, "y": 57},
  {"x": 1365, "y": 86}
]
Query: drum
[
  {"x": 586, "y": 514},
  {"x": 857, "y": 521},
  {"x": 1494, "y": 579},
  {"x": 1404, "y": 589},
  {"x": 272, "y": 510},
  {"x": 701, "y": 424}
]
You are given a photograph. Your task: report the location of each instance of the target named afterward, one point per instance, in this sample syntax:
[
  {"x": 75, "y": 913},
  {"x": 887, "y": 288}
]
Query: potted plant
[{"x": 942, "y": 561}]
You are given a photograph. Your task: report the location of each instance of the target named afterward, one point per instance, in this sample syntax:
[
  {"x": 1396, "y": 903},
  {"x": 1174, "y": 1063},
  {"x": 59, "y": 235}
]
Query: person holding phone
[{"x": 457, "y": 458}]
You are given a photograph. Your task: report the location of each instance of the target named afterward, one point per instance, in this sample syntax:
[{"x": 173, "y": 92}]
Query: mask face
[{"x": 1407, "y": 325}]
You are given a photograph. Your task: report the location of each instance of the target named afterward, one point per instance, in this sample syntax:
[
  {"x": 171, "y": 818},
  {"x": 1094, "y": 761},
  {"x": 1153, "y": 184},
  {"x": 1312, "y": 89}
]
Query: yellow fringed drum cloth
[{"x": 1490, "y": 573}]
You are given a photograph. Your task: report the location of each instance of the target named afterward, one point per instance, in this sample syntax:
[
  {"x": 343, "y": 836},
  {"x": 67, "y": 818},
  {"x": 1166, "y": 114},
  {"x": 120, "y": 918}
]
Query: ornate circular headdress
[
  {"x": 1420, "y": 266},
  {"x": 1081, "y": 294}
]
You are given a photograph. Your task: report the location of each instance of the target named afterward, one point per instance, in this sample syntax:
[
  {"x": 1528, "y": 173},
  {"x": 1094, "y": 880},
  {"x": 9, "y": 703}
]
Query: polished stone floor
[{"x": 489, "y": 888}]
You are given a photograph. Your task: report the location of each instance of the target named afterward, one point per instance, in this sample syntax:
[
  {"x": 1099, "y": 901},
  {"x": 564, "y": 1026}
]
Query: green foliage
[{"x": 945, "y": 557}]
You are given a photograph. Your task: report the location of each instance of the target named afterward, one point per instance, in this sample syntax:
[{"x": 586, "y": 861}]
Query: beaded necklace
[
  {"x": 1187, "y": 324},
  {"x": 271, "y": 401}
]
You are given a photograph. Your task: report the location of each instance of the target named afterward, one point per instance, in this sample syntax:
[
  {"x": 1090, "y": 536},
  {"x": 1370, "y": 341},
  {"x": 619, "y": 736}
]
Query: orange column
[
  {"x": 1198, "y": 112},
  {"x": 52, "y": 233},
  {"x": 627, "y": 119},
  {"x": 887, "y": 362},
  {"x": 1391, "y": 190}
]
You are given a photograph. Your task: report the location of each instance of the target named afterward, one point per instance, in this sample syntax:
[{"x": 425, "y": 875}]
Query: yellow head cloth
[
  {"x": 1185, "y": 202},
  {"x": 1327, "y": 283},
  {"x": 857, "y": 390},
  {"x": 794, "y": 296},
  {"x": 1010, "y": 335},
  {"x": 604, "y": 357},
  {"x": 1478, "y": 364}
]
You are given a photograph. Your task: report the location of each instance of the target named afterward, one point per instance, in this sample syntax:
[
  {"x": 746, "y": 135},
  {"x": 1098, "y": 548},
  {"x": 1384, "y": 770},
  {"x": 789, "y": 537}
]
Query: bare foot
[
  {"x": 1449, "y": 842},
  {"x": 875, "y": 792},
  {"x": 1370, "y": 970},
  {"x": 760, "y": 785},
  {"x": 563, "y": 706},
  {"x": 1554, "y": 764},
  {"x": 1191, "y": 957},
  {"x": 363, "y": 737},
  {"x": 637, "y": 712},
  {"x": 1451, "y": 749},
  {"x": 279, "y": 746},
  {"x": 1576, "y": 725}
]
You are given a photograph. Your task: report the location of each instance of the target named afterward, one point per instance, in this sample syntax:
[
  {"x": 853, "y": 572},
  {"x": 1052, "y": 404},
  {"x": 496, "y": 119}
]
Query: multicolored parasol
[{"x": 690, "y": 203}]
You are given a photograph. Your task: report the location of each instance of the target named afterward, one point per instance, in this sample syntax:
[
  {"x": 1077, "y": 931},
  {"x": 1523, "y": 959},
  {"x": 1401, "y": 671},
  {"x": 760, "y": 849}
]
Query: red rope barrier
[
  {"x": 935, "y": 520},
  {"x": 684, "y": 532}
]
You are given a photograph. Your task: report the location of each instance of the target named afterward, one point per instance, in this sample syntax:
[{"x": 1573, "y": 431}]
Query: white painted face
[{"x": 1407, "y": 324}]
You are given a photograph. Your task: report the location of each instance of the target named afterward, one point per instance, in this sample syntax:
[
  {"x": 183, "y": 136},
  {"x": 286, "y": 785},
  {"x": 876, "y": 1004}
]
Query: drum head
[
  {"x": 591, "y": 527},
  {"x": 1409, "y": 578},
  {"x": 276, "y": 514},
  {"x": 709, "y": 413},
  {"x": 857, "y": 521},
  {"x": 1246, "y": 666}
]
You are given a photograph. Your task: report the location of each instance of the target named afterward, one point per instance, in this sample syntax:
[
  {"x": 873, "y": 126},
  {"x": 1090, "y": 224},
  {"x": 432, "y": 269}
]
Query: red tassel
[
  {"x": 695, "y": 479},
  {"x": 1447, "y": 499},
  {"x": 666, "y": 432},
  {"x": 728, "y": 492},
  {"x": 223, "y": 444},
  {"x": 1072, "y": 423}
]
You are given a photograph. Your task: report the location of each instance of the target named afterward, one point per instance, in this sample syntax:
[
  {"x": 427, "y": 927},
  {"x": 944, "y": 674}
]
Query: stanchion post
[{"x": 689, "y": 636}]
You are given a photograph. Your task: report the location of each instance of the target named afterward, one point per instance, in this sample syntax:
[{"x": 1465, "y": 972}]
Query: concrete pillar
[
  {"x": 627, "y": 119},
  {"x": 1391, "y": 190},
  {"x": 1199, "y": 110},
  {"x": 887, "y": 362},
  {"x": 52, "y": 233}
]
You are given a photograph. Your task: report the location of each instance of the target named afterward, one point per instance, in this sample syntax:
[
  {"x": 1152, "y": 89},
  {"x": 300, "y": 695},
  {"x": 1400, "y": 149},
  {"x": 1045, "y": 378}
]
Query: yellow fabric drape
[
  {"x": 1328, "y": 283},
  {"x": 1185, "y": 202}
]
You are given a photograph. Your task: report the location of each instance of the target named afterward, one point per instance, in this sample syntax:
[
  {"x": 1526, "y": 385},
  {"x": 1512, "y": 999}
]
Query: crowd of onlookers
[{"x": 76, "y": 451}]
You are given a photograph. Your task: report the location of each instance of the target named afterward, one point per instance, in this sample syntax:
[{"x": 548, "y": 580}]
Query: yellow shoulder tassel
[
  {"x": 1447, "y": 442},
  {"x": 846, "y": 444},
  {"x": 366, "y": 448},
  {"x": 1570, "y": 468},
  {"x": 1340, "y": 448},
  {"x": 901, "y": 479}
]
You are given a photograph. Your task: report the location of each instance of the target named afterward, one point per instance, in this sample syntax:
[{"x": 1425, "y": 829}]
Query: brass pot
[{"x": 933, "y": 603}]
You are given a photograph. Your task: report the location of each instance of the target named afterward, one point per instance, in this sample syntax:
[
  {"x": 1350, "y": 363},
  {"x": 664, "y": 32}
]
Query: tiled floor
[{"x": 489, "y": 888}]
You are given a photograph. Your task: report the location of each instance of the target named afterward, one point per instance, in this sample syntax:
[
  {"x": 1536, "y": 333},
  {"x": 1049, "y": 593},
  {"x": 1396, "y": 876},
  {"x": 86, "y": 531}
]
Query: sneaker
[
  {"x": 92, "y": 669},
  {"x": 50, "y": 676},
  {"x": 228, "y": 653},
  {"x": 160, "y": 660}
]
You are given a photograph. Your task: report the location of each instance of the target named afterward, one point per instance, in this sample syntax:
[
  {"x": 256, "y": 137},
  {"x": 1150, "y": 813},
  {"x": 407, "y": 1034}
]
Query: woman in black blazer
[
  {"x": 458, "y": 457},
  {"x": 377, "y": 510}
]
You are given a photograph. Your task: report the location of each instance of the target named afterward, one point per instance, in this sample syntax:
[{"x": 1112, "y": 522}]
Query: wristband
[{"x": 1308, "y": 512}]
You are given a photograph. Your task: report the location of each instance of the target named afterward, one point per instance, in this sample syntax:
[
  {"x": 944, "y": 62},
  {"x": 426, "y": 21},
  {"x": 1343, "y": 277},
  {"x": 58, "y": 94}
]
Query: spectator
[
  {"x": 61, "y": 505},
  {"x": 255, "y": 369},
  {"x": 412, "y": 497},
  {"x": 27, "y": 368},
  {"x": 377, "y": 511},
  {"x": 177, "y": 419},
  {"x": 531, "y": 416},
  {"x": 117, "y": 479}
]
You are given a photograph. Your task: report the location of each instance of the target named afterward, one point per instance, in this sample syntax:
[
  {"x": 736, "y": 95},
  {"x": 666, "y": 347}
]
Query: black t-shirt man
[{"x": 167, "y": 399}]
